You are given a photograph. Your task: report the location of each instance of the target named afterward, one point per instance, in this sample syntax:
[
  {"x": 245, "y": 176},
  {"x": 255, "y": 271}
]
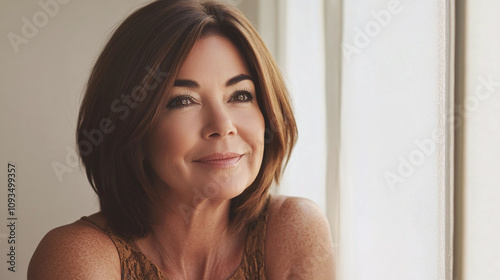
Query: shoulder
[
  {"x": 298, "y": 241},
  {"x": 75, "y": 251}
]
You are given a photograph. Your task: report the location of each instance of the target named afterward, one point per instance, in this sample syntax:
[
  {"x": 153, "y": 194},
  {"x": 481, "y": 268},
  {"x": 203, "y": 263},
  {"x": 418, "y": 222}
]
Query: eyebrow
[
  {"x": 237, "y": 79},
  {"x": 192, "y": 84}
]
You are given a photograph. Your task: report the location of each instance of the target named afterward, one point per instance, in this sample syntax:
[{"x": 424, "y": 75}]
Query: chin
[
  {"x": 226, "y": 185},
  {"x": 224, "y": 189}
]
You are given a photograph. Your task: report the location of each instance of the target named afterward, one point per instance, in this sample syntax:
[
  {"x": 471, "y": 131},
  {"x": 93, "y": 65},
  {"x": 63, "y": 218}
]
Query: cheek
[
  {"x": 170, "y": 141},
  {"x": 256, "y": 136},
  {"x": 252, "y": 129}
]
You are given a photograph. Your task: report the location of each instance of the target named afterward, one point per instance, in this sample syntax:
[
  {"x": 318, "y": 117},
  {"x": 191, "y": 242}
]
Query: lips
[{"x": 220, "y": 159}]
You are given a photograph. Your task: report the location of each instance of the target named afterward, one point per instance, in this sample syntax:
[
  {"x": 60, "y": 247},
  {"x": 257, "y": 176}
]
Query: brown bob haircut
[{"x": 125, "y": 91}]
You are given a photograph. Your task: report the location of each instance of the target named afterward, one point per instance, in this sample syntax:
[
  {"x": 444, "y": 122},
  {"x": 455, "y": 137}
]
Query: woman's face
[{"x": 209, "y": 139}]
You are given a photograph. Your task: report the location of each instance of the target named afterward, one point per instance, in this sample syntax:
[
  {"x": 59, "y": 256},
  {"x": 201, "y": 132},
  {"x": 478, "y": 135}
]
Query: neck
[{"x": 187, "y": 237}]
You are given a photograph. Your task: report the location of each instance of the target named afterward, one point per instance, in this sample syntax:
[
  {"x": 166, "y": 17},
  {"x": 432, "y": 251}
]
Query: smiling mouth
[{"x": 220, "y": 160}]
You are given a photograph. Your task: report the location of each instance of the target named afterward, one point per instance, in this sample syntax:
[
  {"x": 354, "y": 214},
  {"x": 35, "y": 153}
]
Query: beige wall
[{"x": 41, "y": 84}]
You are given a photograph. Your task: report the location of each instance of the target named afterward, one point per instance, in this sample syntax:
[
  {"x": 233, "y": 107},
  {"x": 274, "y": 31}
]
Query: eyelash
[{"x": 173, "y": 100}]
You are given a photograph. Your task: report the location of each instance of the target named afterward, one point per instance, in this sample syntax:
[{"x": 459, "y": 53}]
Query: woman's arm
[
  {"x": 75, "y": 251},
  {"x": 298, "y": 243}
]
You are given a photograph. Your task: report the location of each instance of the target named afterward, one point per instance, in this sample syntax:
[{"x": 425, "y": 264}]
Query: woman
[{"x": 185, "y": 124}]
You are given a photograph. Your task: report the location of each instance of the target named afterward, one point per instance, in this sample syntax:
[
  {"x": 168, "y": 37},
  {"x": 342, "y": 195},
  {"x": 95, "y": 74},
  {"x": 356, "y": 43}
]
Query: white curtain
[
  {"x": 303, "y": 65},
  {"x": 392, "y": 181},
  {"x": 395, "y": 140}
]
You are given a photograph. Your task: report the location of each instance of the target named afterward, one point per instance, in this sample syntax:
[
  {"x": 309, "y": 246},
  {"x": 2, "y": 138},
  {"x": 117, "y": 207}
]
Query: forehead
[{"x": 213, "y": 57}]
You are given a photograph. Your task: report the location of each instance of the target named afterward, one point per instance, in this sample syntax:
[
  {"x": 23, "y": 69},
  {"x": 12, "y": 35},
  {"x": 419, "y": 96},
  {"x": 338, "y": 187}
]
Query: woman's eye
[
  {"x": 242, "y": 96},
  {"x": 179, "y": 102},
  {"x": 186, "y": 100}
]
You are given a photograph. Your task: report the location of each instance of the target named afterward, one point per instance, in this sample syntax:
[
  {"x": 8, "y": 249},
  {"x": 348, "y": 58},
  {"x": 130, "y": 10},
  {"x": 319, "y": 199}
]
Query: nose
[{"x": 218, "y": 122}]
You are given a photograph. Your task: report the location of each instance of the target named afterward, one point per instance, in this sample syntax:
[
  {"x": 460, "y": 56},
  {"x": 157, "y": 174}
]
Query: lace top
[{"x": 135, "y": 265}]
